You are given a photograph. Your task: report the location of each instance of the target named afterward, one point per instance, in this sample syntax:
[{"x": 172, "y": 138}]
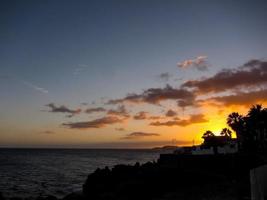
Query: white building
[{"x": 229, "y": 148}]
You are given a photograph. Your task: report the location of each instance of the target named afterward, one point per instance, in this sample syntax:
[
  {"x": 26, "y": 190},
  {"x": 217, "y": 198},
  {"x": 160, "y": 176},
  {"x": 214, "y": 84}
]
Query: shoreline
[{"x": 169, "y": 178}]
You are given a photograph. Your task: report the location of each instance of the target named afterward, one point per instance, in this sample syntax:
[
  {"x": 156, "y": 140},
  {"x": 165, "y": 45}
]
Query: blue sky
[{"x": 69, "y": 52}]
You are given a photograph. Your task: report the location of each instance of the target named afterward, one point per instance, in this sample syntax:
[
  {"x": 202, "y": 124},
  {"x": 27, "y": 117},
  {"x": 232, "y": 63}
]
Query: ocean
[{"x": 30, "y": 173}]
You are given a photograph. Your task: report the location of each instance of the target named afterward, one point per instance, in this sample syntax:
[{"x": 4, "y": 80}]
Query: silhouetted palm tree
[
  {"x": 235, "y": 121},
  {"x": 255, "y": 111},
  {"x": 256, "y": 120},
  {"x": 226, "y": 132},
  {"x": 251, "y": 130}
]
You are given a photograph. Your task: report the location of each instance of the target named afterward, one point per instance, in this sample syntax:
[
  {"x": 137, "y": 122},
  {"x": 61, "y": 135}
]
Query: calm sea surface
[{"x": 34, "y": 172}]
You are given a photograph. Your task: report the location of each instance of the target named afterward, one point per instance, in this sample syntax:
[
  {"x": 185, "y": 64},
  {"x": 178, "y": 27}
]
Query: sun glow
[{"x": 216, "y": 127}]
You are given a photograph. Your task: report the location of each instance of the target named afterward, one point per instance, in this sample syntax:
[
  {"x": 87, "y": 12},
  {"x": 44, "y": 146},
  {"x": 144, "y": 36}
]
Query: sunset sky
[{"x": 127, "y": 74}]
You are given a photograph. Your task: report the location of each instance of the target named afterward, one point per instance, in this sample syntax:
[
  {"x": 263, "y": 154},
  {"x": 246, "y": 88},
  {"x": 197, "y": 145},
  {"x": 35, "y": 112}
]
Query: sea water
[{"x": 39, "y": 172}]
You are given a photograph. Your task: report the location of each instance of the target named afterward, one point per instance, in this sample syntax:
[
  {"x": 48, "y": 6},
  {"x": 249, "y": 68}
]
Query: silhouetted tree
[
  {"x": 251, "y": 130},
  {"x": 256, "y": 125},
  {"x": 236, "y": 122},
  {"x": 208, "y": 134},
  {"x": 226, "y": 133}
]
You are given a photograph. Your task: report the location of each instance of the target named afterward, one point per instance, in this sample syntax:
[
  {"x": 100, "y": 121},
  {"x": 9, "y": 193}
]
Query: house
[{"x": 211, "y": 146}]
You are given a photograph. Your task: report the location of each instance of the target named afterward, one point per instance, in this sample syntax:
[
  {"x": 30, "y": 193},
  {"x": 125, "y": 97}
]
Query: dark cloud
[
  {"x": 253, "y": 73},
  {"x": 155, "y": 117},
  {"x": 167, "y": 123},
  {"x": 199, "y": 63},
  {"x": 194, "y": 119},
  {"x": 48, "y": 132},
  {"x": 188, "y": 102},
  {"x": 171, "y": 113},
  {"x": 242, "y": 98},
  {"x": 92, "y": 110},
  {"x": 156, "y": 95},
  {"x": 120, "y": 129},
  {"x": 137, "y": 135},
  {"x": 63, "y": 109},
  {"x": 253, "y": 63},
  {"x": 165, "y": 76},
  {"x": 120, "y": 111},
  {"x": 133, "y": 98},
  {"x": 144, "y": 115},
  {"x": 140, "y": 116},
  {"x": 97, "y": 123}
]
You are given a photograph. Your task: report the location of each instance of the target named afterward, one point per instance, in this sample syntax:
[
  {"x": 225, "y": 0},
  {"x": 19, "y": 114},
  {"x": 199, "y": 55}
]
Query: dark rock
[
  {"x": 49, "y": 197},
  {"x": 184, "y": 177},
  {"x": 15, "y": 198},
  {"x": 74, "y": 196},
  {"x": 172, "y": 177},
  {"x": 1, "y": 196}
]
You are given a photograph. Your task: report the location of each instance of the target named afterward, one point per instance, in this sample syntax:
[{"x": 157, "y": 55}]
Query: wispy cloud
[
  {"x": 241, "y": 98},
  {"x": 97, "y": 123},
  {"x": 120, "y": 129},
  {"x": 120, "y": 111},
  {"x": 156, "y": 95},
  {"x": 193, "y": 119},
  {"x": 35, "y": 87},
  {"x": 253, "y": 73},
  {"x": 26, "y": 83},
  {"x": 48, "y": 132},
  {"x": 140, "y": 116},
  {"x": 165, "y": 76},
  {"x": 63, "y": 109},
  {"x": 243, "y": 85},
  {"x": 138, "y": 135},
  {"x": 154, "y": 117},
  {"x": 92, "y": 110},
  {"x": 79, "y": 69},
  {"x": 171, "y": 113},
  {"x": 199, "y": 63}
]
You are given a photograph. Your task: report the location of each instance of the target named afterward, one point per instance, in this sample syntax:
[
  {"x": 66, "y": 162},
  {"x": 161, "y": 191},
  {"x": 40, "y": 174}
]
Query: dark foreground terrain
[{"x": 172, "y": 177}]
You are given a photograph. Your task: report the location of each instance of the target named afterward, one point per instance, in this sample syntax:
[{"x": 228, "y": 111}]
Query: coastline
[{"x": 171, "y": 177}]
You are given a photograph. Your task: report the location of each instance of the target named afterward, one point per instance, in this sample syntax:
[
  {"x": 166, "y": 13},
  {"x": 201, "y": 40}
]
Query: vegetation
[
  {"x": 251, "y": 131},
  {"x": 226, "y": 133}
]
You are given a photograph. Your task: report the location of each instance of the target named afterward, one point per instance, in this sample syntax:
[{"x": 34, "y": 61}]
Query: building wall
[
  {"x": 200, "y": 151},
  {"x": 227, "y": 149},
  {"x": 258, "y": 182}
]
